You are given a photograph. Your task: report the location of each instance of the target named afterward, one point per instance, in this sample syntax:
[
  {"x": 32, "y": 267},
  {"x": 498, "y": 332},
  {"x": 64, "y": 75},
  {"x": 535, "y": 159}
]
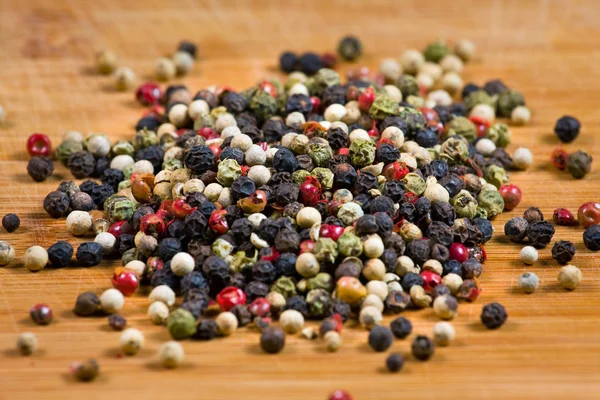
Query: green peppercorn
[
  {"x": 435, "y": 51},
  {"x": 362, "y": 152},
  {"x": 491, "y": 202},
  {"x": 324, "y": 176},
  {"x": 326, "y": 250},
  {"x": 119, "y": 208},
  {"x": 465, "y": 204},
  {"x": 325, "y": 78},
  {"x": 408, "y": 86},
  {"x": 495, "y": 175},
  {"x": 500, "y": 134},
  {"x": 320, "y": 153},
  {"x": 229, "y": 170},
  {"x": 66, "y": 148},
  {"x": 320, "y": 281},
  {"x": 181, "y": 324},
  {"x": 454, "y": 150},
  {"x": 464, "y": 127},
  {"x": 479, "y": 97},
  {"x": 579, "y": 164},
  {"x": 263, "y": 105},
  {"x": 508, "y": 101},
  {"x": 414, "y": 183},
  {"x": 384, "y": 106},
  {"x": 286, "y": 286},
  {"x": 350, "y": 245},
  {"x": 145, "y": 138}
]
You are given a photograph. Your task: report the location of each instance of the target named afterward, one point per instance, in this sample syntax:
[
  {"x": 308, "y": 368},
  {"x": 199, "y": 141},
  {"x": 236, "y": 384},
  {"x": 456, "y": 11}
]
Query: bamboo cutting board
[{"x": 547, "y": 49}]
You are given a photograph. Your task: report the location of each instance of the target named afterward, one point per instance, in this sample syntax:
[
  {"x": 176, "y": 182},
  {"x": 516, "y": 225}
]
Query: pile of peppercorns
[{"x": 309, "y": 199}]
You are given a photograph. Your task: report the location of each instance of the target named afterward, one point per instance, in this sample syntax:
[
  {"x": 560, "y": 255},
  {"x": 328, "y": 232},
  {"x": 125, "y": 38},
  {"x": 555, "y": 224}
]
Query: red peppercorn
[
  {"x": 430, "y": 280},
  {"x": 307, "y": 246},
  {"x": 230, "y": 297},
  {"x": 125, "y": 281},
  {"x": 512, "y": 196},
  {"x": 366, "y": 99},
  {"x": 562, "y": 216},
  {"x": 254, "y": 203},
  {"x": 208, "y": 133},
  {"x": 181, "y": 209},
  {"x": 153, "y": 264},
  {"x": 148, "y": 94},
  {"x": 119, "y": 228},
  {"x": 344, "y": 151},
  {"x": 589, "y": 214},
  {"x": 38, "y": 144},
  {"x": 395, "y": 171},
  {"x": 436, "y": 125},
  {"x": 458, "y": 252},
  {"x": 310, "y": 191},
  {"x": 331, "y": 231},
  {"x": 152, "y": 224},
  {"x": 156, "y": 111},
  {"x": 481, "y": 124},
  {"x": 273, "y": 256},
  {"x": 430, "y": 114},
  {"x": 316, "y": 103},
  {"x": 373, "y": 132},
  {"x": 260, "y": 307},
  {"x": 328, "y": 60},
  {"x": 559, "y": 158},
  {"x": 216, "y": 149},
  {"x": 217, "y": 222},
  {"x": 41, "y": 314},
  {"x": 411, "y": 197},
  {"x": 340, "y": 395},
  {"x": 263, "y": 145},
  {"x": 269, "y": 88}
]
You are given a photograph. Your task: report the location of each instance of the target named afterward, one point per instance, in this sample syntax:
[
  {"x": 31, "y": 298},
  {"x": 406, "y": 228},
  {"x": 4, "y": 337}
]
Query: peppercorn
[
  {"x": 288, "y": 61},
  {"x": 563, "y": 251},
  {"x": 394, "y": 362},
  {"x": 567, "y": 128},
  {"x": 443, "y": 333},
  {"x": 349, "y": 48},
  {"x": 569, "y": 277},
  {"x": 540, "y": 233},
  {"x": 529, "y": 255},
  {"x": 41, "y": 314},
  {"x": 422, "y": 348},
  {"x": 81, "y": 164},
  {"x": 272, "y": 340},
  {"x": 579, "y": 164},
  {"x": 86, "y": 371},
  {"x": 206, "y": 330},
  {"x": 11, "y": 222},
  {"x": 401, "y": 327},
  {"x": 87, "y": 303},
  {"x": 533, "y": 214},
  {"x": 27, "y": 343},
  {"x": 117, "y": 322},
  {"x": 528, "y": 282},
  {"x": 591, "y": 237},
  {"x": 516, "y": 229},
  {"x": 35, "y": 258},
  {"x": 40, "y": 168},
  {"x": 380, "y": 338},
  {"x": 493, "y": 315},
  {"x": 89, "y": 254}
]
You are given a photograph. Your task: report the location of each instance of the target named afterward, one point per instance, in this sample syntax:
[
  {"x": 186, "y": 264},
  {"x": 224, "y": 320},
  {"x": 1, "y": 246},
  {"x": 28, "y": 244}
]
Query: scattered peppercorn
[
  {"x": 493, "y": 315},
  {"x": 40, "y": 168},
  {"x": 563, "y": 251},
  {"x": 380, "y": 338},
  {"x": 591, "y": 237},
  {"x": 579, "y": 164},
  {"x": 567, "y": 128},
  {"x": 41, "y": 314},
  {"x": 422, "y": 348},
  {"x": 272, "y": 340},
  {"x": 569, "y": 277},
  {"x": 540, "y": 233},
  {"x": 87, "y": 303},
  {"x": 11, "y": 222},
  {"x": 394, "y": 362},
  {"x": 86, "y": 371},
  {"x": 350, "y": 48},
  {"x": 117, "y": 322}
]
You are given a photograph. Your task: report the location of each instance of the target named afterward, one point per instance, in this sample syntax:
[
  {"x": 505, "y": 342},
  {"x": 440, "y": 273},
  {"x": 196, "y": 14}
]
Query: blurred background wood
[{"x": 547, "y": 49}]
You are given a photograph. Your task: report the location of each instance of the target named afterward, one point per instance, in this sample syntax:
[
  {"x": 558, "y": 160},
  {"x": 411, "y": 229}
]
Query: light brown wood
[{"x": 548, "y": 348}]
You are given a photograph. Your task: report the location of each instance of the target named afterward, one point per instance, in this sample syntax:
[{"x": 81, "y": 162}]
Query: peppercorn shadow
[
  {"x": 158, "y": 367},
  {"x": 116, "y": 352},
  {"x": 15, "y": 353}
]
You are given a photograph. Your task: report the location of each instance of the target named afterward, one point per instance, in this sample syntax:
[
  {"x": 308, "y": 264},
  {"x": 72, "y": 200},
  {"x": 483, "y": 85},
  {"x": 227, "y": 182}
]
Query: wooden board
[{"x": 548, "y": 49}]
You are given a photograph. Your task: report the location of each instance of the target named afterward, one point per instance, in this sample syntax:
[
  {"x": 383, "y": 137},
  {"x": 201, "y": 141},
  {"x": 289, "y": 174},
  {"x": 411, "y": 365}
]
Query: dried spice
[
  {"x": 579, "y": 164},
  {"x": 493, "y": 315},
  {"x": 567, "y": 128},
  {"x": 563, "y": 251}
]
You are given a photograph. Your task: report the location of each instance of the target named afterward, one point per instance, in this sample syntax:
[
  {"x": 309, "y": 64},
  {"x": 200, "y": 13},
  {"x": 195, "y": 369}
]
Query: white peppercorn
[
  {"x": 432, "y": 69},
  {"x": 465, "y": 49},
  {"x": 225, "y": 197},
  {"x": 106, "y": 62},
  {"x": 308, "y": 216},
  {"x": 425, "y": 81},
  {"x": 27, "y": 343},
  {"x": 225, "y": 120},
  {"x": 307, "y": 265},
  {"x": 168, "y": 128},
  {"x": 35, "y": 258},
  {"x": 440, "y": 97},
  {"x": 298, "y": 88},
  {"x": 98, "y": 145},
  {"x": 137, "y": 266},
  {"x": 165, "y": 69},
  {"x": 453, "y": 282},
  {"x": 213, "y": 191},
  {"x": 107, "y": 240},
  {"x": 124, "y": 78},
  {"x": 569, "y": 277},
  {"x": 112, "y": 301},
  {"x": 359, "y": 134},
  {"x": 443, "y": 333},
  {"x": 334, "y": 112},
  {"x": 333, "y": 341},
  {"x": 520, "y": 115},
  {"x": 259, "y": 174},
  {"x": 295, "y": 119},
  {"x": 121, "y": 162},
  {"x": 411, "y": 61},
  {"x": 370, "y": 317},
  {"x": 142, "y": 167},
  {"x": 394, "y": 135},
  {"x": 164, "y": 294},
  {"x": 7, "y": 253},
  {"x": 182, "y": 264},
  {"x": 276, "y": 300},
  {"x": 171, "y": 354},
  {"x": 522, "y": 158},
  {"x": 451, "y": 82},
  {"x": 374, "y": 269},
  {"x": 433, "y": 265},
  {"x": 445, "y": 306},
  {"x": 73, "y": 135},
  {"x": 291, "y": 321},
  {"x": 79, "y": 223},
  {"x": 227, "y": 323},
  {"x": 378, "y": 288},
  {"x": 372, "y": 300},
  {"x": 390, "y": 69},
  {"x": 483, "y": 111},
  {"x": 239, "y": 141},
  {"x": 193, "y": 186},
  {"x": 184, "y": 62},
  {"x": 178, "y": 115},
  {"x": 451, "y": 63},
  {"x": 158, "y": 312},
  {"x": 255, "y": 155},
  {"x": 373, "y": 247},
  {"x": 405, "y": 265},
  {"x": 131, "y": 341},
  {"x": 529, "y": 255},
  {"x": 528, "y": 282},
  {"x": 419, "y": 297},
  {"x": 196, "y": 108},
  {"x": 485, "y": 147}
]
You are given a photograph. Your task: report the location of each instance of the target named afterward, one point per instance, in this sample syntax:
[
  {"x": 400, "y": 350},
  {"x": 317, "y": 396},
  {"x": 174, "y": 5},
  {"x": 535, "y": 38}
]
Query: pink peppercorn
[
  {"x": 589, "y": 214},
  {"x": 148, "y": 94},
  {"x": 458, "y": 252},
  {"x": 340, "y": 395},
  {"x": 119, "y": 228},
  {"x": 512, "y": 196},
  {"x": 125, "y": 281},
  {"x": 41, "y": 314},
  {"x": 331, "y": 231},
  {"x": 260, "y": 307},
  {"x": 562, "y": 216},
  {"x": 152, "y": 224},
  {"x": 366, "y": 99},
  {"x": 230, "y": 297},
  {"x": 316, "y": 103},
  {"x": 38, "y": 144},
  {"x": 307, "y": 246},
  {"x": 430, "y": 280}
]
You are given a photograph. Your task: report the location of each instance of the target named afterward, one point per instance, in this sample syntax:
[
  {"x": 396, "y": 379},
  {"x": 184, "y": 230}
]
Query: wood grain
[{"x": 548, "y": 49}]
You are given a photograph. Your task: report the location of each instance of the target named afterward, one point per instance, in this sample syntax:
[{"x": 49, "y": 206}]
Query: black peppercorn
[
  {"x": 242, "y": 187},
  {"x": 422, "y": 348},
  {"x": 256, "y": 289},
  {"x": 390, "y": 259},
  {"x": 272, "y": 340},
  {"x": 100, "y": 193},
  {"x": 540, "y": 234},
  {"x": 264, "y": 271},
  {"x": 301, "y": 103},
  {"x": 452, "y": 267},
  {"x": 149, "y": 122},
  {"x": 40, "y": 168},
  {"x": 394, "y": 190},
  {"x": 344, "y": 176},
  {"x": 297, "y": 303},
  {"x": 154, "y": 154},
  {"x": 441, "y": 233},
  {"x": 452, "y": 183},
  {"x": 366, "y": 225},
  {"x": 410, "y": 279},
  {"x": 165, "y": 276},
  {"x": 440, "y": 290},
  {"x": 124, "y": 243},
  {"x": 196, "y": 305},
  {"x": 87, "y": 303},
  {"x": 591, "y": 237},
  {"x": 56, "y": 204},
  {"x": 468, "y": 89},
  {"x": 234, "y": 102},
  {"x": 286, "y": 264},
  {"x": 117, "y": 322},
  {"x": 199, "y": 159},
  {"x": 516, "y": 229},
  {"x": 394, "y": 362},
  {"x": 273, "y": 130},
  {"x": 242, "y": 313},
  {"x": 418, "y": 250},
  {"x": 206, "y": 330},
  {"x": 380, "y": 338},
  {"x": 350, "y": 48},
  {"x": 288, "y": 61},
  {"x": 232, "y": 153},
  {"x": 533, "y": 214},
  {"x": 567, "y": 128},
  {"x": 485, "y": 227},
  {"x": 112, "y": 177},
  {"x": 285, "y": 161},
  {"x": 397, "y": 301},
  {"x": 471, "y": 268},
  {"x": 287, "y": 241},
  {"x": 382, "y": 204},
  {"x": 89, "y": 254},
  {"x": 563, "y": 251},
  {"x": 443, "y": 212},
  {"x": 81, "y": 164},
  {"x": 81, "y": 201},
  {"x": 387, "y": 153},
  {"x": 426, "y": 138},
  {"x": 310, "y": 63},
  {"x": 401, "y": 327},
  {"x": 193, "y": 280},
  {"x": 365, "y": 182},
  {"x": 341, "y": 308},
  {"x": 495, "y": 86},
  {"x": 188, "y": 47},
  {"x": 11, "y": 222},
  {"x": 60, "y": 254},
  {"x": 168, "y": 247},
  {"x": 493, "y": 315}
]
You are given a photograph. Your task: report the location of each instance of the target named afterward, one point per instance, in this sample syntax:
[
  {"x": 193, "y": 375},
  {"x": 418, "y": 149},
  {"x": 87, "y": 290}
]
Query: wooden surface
[{"x": 547, "y": 49}]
